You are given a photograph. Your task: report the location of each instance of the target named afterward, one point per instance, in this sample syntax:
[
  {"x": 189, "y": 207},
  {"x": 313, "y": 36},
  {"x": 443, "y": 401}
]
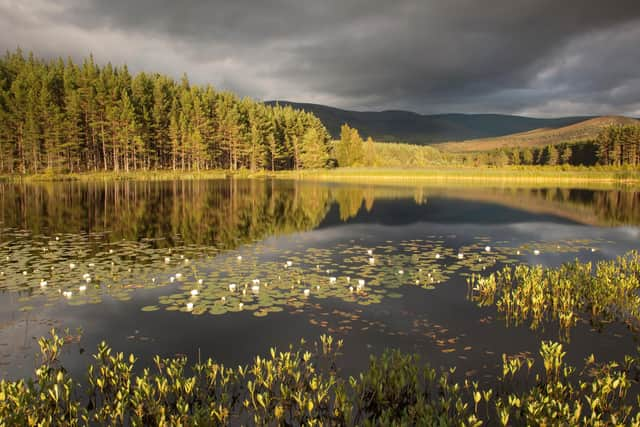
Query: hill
[
  {"x": 582, "y": 131},
  {"x": 406, "y": 126}
]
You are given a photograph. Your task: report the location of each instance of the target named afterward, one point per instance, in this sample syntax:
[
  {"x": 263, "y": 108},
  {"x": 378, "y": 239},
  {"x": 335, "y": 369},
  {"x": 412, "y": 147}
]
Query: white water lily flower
[
  {"x": 194, "y": 292},
  {"x": 332, "y": 280},
  {"x": 189, "y": 306},
  {"x": 82, "y": 288},
  {"x": 232, "y": 287},
  {"x": 306, "y": 292},
  {"x": 487, "y": 248}
]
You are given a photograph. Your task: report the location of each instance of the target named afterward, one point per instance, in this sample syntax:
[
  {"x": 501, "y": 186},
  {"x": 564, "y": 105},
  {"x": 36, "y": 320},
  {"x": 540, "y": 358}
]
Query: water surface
[{"x": 147, "y": 266}]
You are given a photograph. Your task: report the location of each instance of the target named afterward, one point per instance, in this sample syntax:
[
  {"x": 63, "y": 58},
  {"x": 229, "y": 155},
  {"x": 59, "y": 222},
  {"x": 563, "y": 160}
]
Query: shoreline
[{"x": 436, "y": 175}]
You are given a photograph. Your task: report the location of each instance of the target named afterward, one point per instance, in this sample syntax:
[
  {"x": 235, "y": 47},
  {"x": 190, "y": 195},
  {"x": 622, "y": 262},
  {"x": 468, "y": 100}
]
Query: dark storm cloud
[{"x": 528, "y": 56}]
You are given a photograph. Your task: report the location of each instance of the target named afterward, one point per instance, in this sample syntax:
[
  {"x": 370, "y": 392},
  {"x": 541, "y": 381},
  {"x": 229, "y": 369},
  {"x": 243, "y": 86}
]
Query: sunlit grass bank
[
  {"x": 140, "y": 175},
  {"x": 555, "y": 175},
  {"x": 535, "y": 174},
  {"x": 304, "y": 386}
]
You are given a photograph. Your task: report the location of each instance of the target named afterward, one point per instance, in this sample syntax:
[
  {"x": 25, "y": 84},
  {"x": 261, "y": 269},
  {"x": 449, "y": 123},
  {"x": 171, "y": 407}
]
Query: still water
[{"x": 229, "y": 268}]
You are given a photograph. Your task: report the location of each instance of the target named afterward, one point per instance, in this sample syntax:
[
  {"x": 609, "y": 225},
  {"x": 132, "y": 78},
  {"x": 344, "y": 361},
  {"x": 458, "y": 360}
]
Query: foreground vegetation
[
  {"x": 303, "y": 386},
  {"x": 608, "y": 292}
]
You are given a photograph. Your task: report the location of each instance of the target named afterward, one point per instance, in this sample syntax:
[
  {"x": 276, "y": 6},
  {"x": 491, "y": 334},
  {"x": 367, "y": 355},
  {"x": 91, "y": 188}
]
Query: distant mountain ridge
[{"x": 426, "y": 129}]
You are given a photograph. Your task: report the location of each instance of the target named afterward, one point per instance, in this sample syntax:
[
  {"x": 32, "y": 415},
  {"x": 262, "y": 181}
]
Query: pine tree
[
  {"x": 314, "y": 153},
  {"x": 369, "y": 153},
  {"x": 566, "y": 156},
  {"x": 527, "y": 156},
  {"x": 58, "y": 115}
]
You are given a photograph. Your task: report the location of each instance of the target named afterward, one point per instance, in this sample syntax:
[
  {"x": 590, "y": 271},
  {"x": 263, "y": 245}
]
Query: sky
[{"x": 531, "y": 57}]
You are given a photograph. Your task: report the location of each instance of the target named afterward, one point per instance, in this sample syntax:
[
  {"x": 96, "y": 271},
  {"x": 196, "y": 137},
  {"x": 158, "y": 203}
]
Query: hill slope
[
  {"x": 405, "y": 126},
  {"x": 585, "y": 130}
]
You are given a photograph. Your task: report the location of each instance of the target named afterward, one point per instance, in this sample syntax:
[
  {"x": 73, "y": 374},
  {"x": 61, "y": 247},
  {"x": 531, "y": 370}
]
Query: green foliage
[
  {"x": 303, "y": 386},
  {"x": 349, "y": 149},
  {"x": 619, "y": 145},
  {"x": 565, "y": 293},
  {"x": 388, "y": 154},
  {"x": 314, "y": 152},
  {"x": 64, "y": 117},
  {"x": 616, "y": 145}
]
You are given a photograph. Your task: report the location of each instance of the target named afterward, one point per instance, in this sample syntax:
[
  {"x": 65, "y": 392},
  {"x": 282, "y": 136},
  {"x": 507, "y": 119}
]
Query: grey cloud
[{"x": 529, "y": 56}]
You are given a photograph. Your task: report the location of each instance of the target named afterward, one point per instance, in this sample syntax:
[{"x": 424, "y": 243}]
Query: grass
[
  {"x": 555, "y": 175},
  {"x": 512, "y": 174},
  {"x": 141, "y": 175}
]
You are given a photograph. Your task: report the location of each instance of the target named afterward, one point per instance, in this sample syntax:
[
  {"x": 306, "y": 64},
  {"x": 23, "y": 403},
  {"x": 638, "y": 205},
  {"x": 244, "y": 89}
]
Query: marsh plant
[
  {"x": 304, "y": 386},
  {"x": 604, "y": 292}
]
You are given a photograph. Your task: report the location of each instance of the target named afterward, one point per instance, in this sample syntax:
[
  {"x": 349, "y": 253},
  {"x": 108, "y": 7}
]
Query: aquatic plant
[
  {"x": 304, "y": 386},
  {"x": 259, "y": 279},
  {"x": 604, "y": 292}
]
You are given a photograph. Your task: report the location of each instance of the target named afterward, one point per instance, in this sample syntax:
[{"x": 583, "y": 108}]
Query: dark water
[{"x": 122, "y": 259}]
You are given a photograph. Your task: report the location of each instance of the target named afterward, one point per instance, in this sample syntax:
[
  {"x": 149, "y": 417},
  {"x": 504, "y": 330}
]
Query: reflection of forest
[
  {"x": 226, "y": 213},
  {"x": 223, "y": 213}
]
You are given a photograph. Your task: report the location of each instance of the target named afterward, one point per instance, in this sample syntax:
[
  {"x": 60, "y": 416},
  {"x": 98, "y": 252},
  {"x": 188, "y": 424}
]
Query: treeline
[
  {"x": 352, "y": 151},
  {"x": 617, "y": 145},
  {"x": 64, "y": 117}
]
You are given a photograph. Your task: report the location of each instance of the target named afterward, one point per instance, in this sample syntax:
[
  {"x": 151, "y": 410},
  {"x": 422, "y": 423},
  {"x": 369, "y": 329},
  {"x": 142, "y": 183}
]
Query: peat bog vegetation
[{"x": 163, "y": 244}]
